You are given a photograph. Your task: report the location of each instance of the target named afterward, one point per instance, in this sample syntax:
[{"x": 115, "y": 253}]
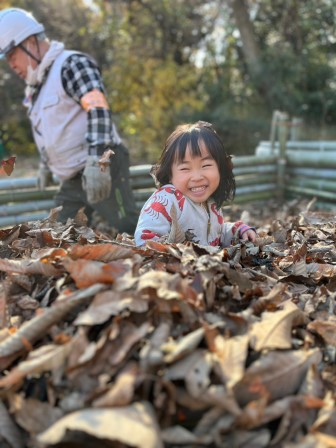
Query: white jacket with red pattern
[{"x": 199, "y": 225}]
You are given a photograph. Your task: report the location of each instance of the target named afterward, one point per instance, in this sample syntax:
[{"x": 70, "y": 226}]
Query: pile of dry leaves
[{"x": 103, "y": 344}]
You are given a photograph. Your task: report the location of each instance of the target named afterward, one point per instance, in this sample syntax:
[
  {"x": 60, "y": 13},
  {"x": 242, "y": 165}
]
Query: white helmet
[{"x": 16, "y": 25}]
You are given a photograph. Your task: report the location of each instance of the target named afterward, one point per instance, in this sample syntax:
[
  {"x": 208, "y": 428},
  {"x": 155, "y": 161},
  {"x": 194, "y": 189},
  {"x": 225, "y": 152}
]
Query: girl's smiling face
[{"x": 197, "y": 177}]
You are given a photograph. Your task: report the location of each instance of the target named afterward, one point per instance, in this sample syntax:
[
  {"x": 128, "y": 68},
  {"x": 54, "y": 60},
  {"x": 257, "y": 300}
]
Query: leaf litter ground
[{"x": 104, "y": 344}]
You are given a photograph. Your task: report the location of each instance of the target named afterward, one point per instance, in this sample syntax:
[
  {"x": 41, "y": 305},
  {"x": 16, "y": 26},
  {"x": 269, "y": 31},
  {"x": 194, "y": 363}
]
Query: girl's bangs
[{"x": 190, "y": 141}]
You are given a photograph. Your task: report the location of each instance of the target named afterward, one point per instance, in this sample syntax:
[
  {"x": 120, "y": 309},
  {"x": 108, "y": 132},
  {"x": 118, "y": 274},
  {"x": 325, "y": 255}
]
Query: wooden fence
[
  {"x": 305, "y": 169},
  {"x": 21, "y": 201},
  {"x": 310, "y": 169}
]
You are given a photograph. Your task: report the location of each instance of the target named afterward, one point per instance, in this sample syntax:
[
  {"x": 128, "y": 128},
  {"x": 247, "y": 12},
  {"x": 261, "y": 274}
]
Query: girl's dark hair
[{"x": 191, "y": 135}]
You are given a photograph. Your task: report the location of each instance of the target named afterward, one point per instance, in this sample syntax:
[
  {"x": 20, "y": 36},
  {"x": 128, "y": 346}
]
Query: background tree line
[{"x": 230, "y": 62}]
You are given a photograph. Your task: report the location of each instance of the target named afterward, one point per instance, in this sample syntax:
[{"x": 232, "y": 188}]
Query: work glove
[
  {"x": 44, "y": 178},
  {"x": 96, "y": 181}
]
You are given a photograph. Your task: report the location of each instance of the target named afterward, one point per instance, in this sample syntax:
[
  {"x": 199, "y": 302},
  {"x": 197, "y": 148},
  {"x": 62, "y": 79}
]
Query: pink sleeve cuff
[{"x": 245, "y": 228}]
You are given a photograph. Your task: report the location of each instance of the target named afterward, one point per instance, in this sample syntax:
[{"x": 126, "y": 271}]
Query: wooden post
[
  {"x": 274, "y": 129},
  {"x": 296, "y": 129},
  {"x": 281, "y": 162}
]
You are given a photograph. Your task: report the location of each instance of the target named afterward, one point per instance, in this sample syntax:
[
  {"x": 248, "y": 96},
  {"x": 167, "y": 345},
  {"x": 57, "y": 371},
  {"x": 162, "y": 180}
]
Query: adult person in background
[{"x": 71, "y": 122}]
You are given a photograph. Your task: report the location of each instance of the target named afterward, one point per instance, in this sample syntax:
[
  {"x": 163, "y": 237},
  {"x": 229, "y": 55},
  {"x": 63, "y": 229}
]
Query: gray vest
[{"x": 59, "y": 125}]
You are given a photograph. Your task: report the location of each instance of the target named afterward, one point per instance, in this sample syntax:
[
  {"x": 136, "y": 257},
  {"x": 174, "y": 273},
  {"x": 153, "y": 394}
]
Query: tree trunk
[{"x": 250, "y": 47}]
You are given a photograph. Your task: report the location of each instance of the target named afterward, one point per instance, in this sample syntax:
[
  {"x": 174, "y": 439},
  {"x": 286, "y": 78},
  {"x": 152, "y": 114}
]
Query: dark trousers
[{"x": 119, "y": 210}]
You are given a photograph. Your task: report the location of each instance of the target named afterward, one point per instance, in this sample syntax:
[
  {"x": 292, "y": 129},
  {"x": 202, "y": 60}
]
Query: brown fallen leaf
[
  {"x": 277, "y": 374},
  {"x": 101, "y": 252},
  {"x": 29, "y": 267},
  {"x": 326, "y": 329},
  {"x": 7, "y": 166},
  {"x": 122, "y": 391},
  {"x": 36, "y": 327},
  {"x": 274, "y": 331},
  {"x": 43, "y": 359},
  {"x": 133, "y": 425},
  {"x": 86, "y": 272},
  {"x": 230, "y": 358},
  {"x": 34, "y": 415},
  {"x": 110, "y": 303},
  {"x": 9, "y": 431}
]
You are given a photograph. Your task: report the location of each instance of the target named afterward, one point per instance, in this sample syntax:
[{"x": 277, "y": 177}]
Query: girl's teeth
[{"x": 197, "y": 189}]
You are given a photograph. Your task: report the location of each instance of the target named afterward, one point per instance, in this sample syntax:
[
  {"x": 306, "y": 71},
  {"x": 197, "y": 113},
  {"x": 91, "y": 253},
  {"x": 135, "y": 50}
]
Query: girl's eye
[{"x": 209, "y": 164}]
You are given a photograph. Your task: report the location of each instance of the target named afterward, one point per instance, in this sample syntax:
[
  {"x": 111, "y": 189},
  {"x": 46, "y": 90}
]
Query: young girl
[{"x": 195, "y": 178}]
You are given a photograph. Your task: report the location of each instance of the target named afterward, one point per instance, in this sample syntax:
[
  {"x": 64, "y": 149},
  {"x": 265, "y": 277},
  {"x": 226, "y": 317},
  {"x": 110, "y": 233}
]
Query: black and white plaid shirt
[{"x": 80, "y": 75}]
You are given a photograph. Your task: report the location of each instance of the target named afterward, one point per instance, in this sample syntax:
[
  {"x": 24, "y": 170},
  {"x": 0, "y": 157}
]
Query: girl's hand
[{"x": 249, "y": 235}]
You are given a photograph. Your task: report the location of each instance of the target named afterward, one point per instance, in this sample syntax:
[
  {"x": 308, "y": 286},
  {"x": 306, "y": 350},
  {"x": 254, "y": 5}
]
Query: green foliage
[
  {"x": 298, "y": 50},
  {"x": 296, "y": 71},
  {"x": 152, "y": 84},
  {"x": 151, "y": 101},
  {"x": 171, "y": 61},
  {"x": 17, "y": 137}
]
